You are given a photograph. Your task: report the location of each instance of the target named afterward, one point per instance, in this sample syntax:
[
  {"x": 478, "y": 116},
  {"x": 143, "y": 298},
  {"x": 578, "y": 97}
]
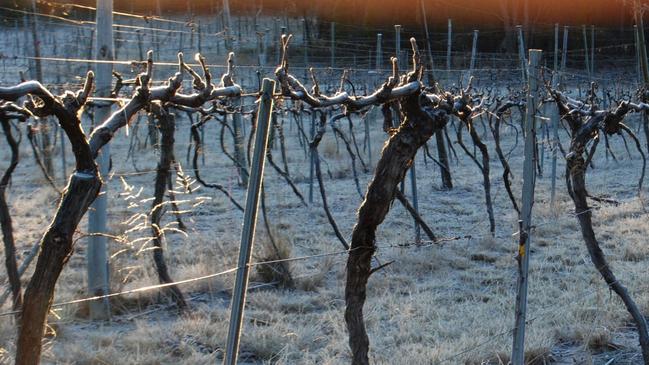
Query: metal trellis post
[
  {"x": 529, "y": 177},
  {"x": 249, "y": 220}
]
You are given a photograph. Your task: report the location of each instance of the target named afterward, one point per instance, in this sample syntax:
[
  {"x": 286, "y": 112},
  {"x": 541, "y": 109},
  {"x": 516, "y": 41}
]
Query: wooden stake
[
  {"x": 228, "y": 25},
  {"x": 397, "y": 41},
  {"x": 277, "y": 41},
  {"x": 637, "y": 52},
  {"x": 586, "y": 60},
  {"x": 449, "y": 47},
  {"x": 379, "y": 52},
  {"x": 311, "y": 156},
  {"x": 644, "y": 65},
  {"x": 474, "y": 51},
  {"x": 368, "y": 140},
  {"x": 564, "y": 53},
  {"x": 97, "y": 254},
  {"x": 554, "y": 115},
  {"x": 431, "y": 64},
  {"x": 592, "y": 50},
  {"x": 333, "y": 44},
  {"x": 305, "y": 47},
  {"x": 37, "y": 43},
  {"x": 415, "y": 201},
  {"x": 239, "y": 154},
  {"x": 521, "y": 53}
]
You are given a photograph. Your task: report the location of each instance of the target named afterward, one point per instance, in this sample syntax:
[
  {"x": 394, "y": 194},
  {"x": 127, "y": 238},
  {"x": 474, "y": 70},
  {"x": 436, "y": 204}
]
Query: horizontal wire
[
  {"x": 221, "y": 273},
  {"x": 175, "y": 64},
  {"x": 115, "y": 25},
  {"x": 353, "y": 46},
  {"x": 92, "y": 29},
  {"x": 131, "y": 15},
  {"x": 138, "y": 290}
]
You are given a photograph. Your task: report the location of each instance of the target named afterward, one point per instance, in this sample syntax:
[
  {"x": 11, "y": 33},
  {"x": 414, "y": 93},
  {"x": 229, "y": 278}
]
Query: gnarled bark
[
  {"x": 396, "y": 157},
  {"x": 576, "y": 168},
  {"x": 609, "y": 122},
  {"x": 56, "y": 244},
  {"x": 424, "y": 115},
  {"x": 56, "y": 248}
]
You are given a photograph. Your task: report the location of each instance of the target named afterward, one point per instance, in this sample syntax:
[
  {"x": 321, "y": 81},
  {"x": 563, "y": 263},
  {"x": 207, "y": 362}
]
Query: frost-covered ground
[
  {"x": 436, "y": 304},
  {"x": 448, "y": 303}
]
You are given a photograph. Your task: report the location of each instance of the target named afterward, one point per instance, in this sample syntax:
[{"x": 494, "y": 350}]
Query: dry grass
[
  {"x": 275, "y": 249},
  {"x": 445, "y": 304}
]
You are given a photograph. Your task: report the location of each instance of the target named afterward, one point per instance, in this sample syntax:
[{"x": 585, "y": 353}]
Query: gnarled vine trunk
[
  {"x": 396, "y": 158},
  {"x": 576, "y": 165},
  {"x": 56, "y": 248},
  {"x": 575, "y": 168}
]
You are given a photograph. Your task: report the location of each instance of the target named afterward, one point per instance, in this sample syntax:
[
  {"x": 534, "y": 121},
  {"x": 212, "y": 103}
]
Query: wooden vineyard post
[
  {"x": 277, "y": 42},
  {"x": 564, "y": 53},
  {"x": 305, "y": 47},
  {"x": 397, "y": 43},
  {"x": 521, "y": 53},
  {"x": 474, "y": 52},
  {"x": 228, "y": 25},
  {"x": 239, "y": 154},
  {"x": 442, "y": 154},
  {"x": 260, "y": 52},
  {"x": 96, "y": 256},
  {"x": 311, "y": 157},
  {"x": 449, "y": 48},
  {"x": 333, "y": 44},
  {"x": 36, "y": 42},
  {"x": 396, "y": 118},
  {"x": 249, "y": 220},
  {"x": 368, "y": 139},
  {"x": 200, "y": 51},
  {"x": 637, "y": 54},
  {"x": 592, "y": 50},
  {"x": 429, "y": 52},
  {"x": 64, "y": 164},
  {"x": 525, "y": 222},
  {"x": 181, "y": 42},
  {"x": 439, "y": 135},
  {"x": 586, "y": 60},
  {"x": 379, "y": 52},
  {"x": 554, "y": 115},
  {"x": 199, "y": 38},
  {"x": 415, "y": 201},
  {"x": 264, "y": 45},
  {"x": 62, "y": 136},
  {"x": 38, "y": 74},
  {"x": 644, "y": 67}
]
